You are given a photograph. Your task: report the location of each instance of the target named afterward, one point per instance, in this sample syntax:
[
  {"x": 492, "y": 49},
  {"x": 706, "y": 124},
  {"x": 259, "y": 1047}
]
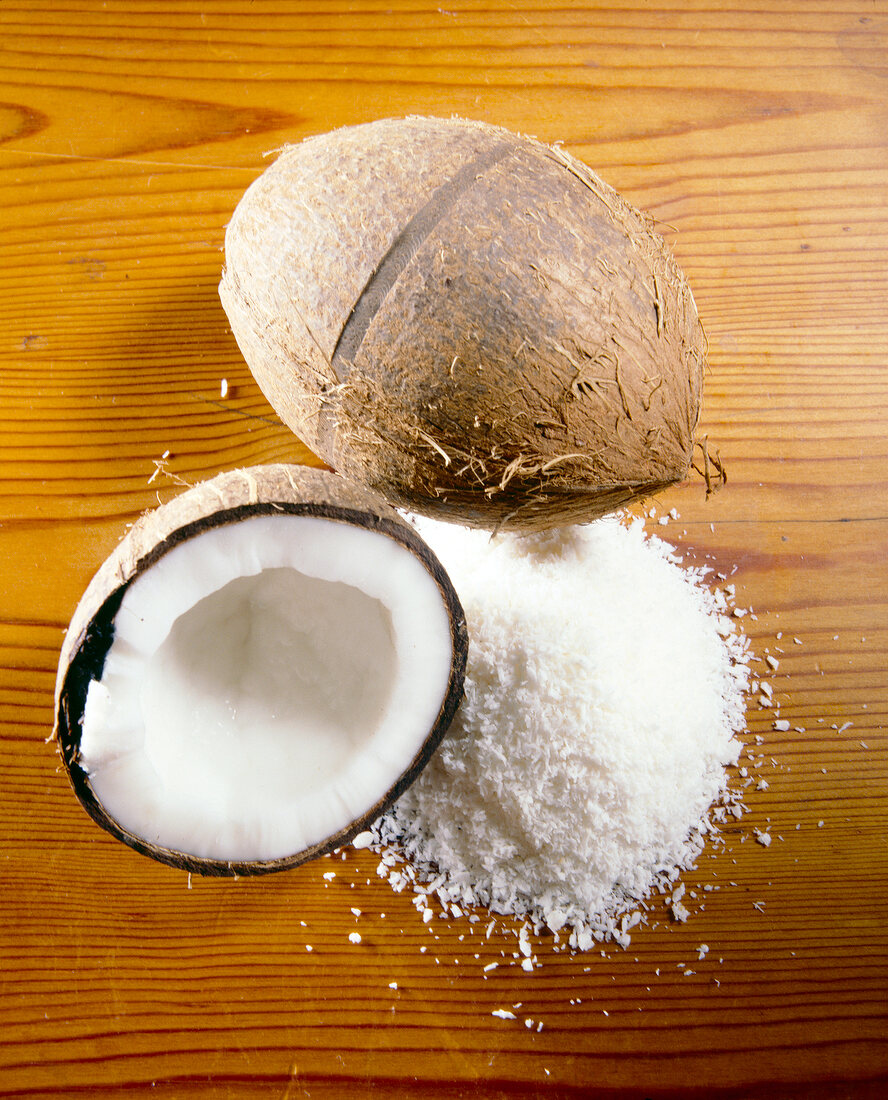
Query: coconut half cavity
[{"x": 271, "y": 675}]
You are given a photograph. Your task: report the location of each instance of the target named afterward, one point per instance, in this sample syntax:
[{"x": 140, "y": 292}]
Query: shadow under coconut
[{"x": 178, "y": 382}]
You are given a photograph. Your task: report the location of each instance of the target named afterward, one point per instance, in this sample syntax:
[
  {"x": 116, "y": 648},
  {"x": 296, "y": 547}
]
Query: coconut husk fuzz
[
  {"x": 229, "y": 498},
  {"x": 469, "y": 322}
]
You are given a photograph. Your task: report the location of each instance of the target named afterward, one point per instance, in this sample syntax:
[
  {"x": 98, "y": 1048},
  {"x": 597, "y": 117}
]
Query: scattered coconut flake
[
  {"x": 504, "y": 1014},
  {"x": 781, "y": 724},
  {"x": 366, "y": 839},
  {"x": 556, "y": 919},
  {"x": 680, "y": 912},
  {"x": 223, "y": 388},
  {"x": 354, "y": 937}
]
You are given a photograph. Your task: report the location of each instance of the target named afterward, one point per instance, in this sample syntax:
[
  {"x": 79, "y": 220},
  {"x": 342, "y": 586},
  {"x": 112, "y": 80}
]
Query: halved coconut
[{"x": 260, "y": 668}]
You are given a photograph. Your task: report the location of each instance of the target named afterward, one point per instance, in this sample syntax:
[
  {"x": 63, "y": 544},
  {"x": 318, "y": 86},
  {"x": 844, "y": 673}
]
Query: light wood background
[{"x": 757, "y": 134}]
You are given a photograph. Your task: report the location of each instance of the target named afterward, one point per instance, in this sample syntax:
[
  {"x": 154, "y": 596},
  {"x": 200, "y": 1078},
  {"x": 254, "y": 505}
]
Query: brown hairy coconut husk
[
  {"x": 469, "y": 322},
  {"x": 228, "y": 500}
]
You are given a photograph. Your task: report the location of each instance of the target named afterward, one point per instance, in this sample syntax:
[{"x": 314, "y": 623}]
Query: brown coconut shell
[
  {"x": 469, "y": 322},
  {"x": 229, "y": 498}
]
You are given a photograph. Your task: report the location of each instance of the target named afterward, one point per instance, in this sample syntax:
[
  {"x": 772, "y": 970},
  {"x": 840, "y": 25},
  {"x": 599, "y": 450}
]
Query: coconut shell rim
[{"x": 87, "y": 655}]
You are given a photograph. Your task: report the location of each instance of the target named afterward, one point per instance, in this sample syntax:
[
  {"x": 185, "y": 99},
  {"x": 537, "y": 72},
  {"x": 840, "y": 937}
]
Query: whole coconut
[{"x": 469, "y": 322}]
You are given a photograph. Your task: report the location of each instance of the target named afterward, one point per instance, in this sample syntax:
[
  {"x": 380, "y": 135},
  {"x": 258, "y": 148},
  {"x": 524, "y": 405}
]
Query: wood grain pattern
[{"x": 757, "y": 135}]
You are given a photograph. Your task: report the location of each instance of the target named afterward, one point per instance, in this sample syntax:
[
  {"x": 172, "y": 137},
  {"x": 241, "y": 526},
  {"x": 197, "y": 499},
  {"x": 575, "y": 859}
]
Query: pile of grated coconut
[{"x": 604, "y": 689}]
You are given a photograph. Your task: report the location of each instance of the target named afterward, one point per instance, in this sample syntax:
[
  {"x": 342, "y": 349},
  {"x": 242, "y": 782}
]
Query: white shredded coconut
[{"x": 604, "y": 690}]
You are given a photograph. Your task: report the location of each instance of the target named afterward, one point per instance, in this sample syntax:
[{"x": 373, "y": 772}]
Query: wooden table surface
[{"x": 757, "y": 135}]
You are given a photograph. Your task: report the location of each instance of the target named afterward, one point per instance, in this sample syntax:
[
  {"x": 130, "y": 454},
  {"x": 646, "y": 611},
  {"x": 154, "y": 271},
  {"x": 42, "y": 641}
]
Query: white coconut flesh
[{"x": 267, "y": 683}]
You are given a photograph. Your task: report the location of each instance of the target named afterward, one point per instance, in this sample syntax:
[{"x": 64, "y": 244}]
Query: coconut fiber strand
[{"x": 604, "y": 692}]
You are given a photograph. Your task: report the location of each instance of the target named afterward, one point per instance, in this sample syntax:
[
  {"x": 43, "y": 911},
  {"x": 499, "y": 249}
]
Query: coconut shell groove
[
  {"x": 229, "y": 498},
  {"x": 469, "y": 322}
]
